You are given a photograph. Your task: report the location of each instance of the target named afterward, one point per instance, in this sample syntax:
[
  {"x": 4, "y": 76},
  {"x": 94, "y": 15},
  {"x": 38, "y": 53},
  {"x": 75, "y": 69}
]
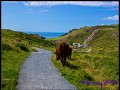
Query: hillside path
[
  {"x": 87, "y": 41},
  {"x": 38, "y": 73}
]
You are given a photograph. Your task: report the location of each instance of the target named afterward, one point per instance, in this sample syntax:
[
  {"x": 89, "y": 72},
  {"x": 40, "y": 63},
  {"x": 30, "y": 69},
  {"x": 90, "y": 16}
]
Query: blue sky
[{"x": 57, "y": 16}]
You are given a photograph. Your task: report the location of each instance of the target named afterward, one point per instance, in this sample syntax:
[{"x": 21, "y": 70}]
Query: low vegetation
[
  {"x": 101, "y": 63},
  {"x": 15, "y": 47}
]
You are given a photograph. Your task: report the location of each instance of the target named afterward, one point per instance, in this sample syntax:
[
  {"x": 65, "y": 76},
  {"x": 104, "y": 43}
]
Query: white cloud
[
  {"x": 10, "y": 1},
  {"x": 81, "y": 3},
  {"x": 114, "y": 8},
  {"x": 35, "y": 11},
  {"x": 115, "y": 17},
  {"x": 29, "y": 9},
  {"x": 28, "y": 12},
  {"x": 43, "y": 10}
]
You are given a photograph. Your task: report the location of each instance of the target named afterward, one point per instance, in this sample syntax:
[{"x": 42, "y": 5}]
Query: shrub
[
  {"x": 6, "y": 47},
  {"x": 17, "y": 49},
  {"x": 22, "y": 47}
]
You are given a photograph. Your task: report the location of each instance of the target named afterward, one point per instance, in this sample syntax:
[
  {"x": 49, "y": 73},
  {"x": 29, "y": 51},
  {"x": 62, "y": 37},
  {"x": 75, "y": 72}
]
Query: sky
[{"x": 57, "y": 16}]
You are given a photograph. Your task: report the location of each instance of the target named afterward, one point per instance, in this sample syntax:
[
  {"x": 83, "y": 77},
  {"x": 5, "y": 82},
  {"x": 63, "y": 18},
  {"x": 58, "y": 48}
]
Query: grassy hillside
[
  {"x": 101, "y": 63},
  {"x": 76, "y": 35},
  {"x": 14, "y": 52}
]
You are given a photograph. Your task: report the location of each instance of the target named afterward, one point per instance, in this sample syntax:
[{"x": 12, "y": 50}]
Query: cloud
[
  {"x": 43, "y": 10},
  {"x": 29, "y": 9},
  {"x": 80, "y": 3},
  {"x": 28, "y": 12},
  {"x": 35, "y": 11},
  {"x": 10, "y": 1},
  {"x": 115, "y": 17},
  {"x": 114, "y": 8}
]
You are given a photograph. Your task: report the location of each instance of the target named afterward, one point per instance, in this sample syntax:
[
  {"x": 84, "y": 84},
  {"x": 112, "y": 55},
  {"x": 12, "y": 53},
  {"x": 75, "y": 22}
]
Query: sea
[{"x": 47, "y": 34}]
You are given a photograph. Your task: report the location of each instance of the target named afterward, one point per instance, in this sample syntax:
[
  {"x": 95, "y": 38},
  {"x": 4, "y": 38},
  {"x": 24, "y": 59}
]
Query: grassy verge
[
  {"x": 100, "y": 64},
  {"x": 11, "y": 63},
  {"x": 89, "y": 66},
  {"x": 13, "y": 54}
]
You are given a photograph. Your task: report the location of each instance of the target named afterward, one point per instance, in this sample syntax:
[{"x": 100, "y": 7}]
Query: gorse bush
[
  {"x": 22, "y": 47},
  {"x": 5, "y": 46}
]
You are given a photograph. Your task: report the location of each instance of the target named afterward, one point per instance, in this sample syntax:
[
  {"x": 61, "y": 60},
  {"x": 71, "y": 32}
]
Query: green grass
[
  {"x": 90, "y": 67},
  {"x": 11, "y": 63},
  {"x": 98, "y": 65},
  {"x": 13, "y": 54}
]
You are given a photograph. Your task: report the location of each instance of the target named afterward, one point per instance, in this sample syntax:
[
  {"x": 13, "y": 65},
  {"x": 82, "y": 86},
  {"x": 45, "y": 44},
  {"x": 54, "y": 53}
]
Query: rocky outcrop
[
  {"x": 69, "y": 32},
  {"x": 37, "y": 36}
]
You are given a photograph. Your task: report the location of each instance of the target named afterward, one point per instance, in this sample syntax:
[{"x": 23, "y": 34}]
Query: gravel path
[{"x": 38, "y": 73}]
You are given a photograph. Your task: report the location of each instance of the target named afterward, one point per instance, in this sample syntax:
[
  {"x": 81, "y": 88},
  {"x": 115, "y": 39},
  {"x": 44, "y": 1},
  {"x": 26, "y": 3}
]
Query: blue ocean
[{"x": 48, "y": 34}]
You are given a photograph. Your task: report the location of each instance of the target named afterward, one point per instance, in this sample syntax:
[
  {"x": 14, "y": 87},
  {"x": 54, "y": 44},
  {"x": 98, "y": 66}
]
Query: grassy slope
[
  {"x": 13, "y": 54},
  {"x": 78, "y": 35},
  {"x": 99, "y": 64}
]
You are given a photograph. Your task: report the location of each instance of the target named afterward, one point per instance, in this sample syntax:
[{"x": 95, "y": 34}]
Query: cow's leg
[
  {"x": 62, "y": 61},
  {"x": 69, "y": 56},
  {"x": 57, "y": 57}
]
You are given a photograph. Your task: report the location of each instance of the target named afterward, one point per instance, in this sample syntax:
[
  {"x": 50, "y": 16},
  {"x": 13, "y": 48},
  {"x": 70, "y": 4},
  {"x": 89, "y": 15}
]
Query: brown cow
[{"x": 62, "y": 52}]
